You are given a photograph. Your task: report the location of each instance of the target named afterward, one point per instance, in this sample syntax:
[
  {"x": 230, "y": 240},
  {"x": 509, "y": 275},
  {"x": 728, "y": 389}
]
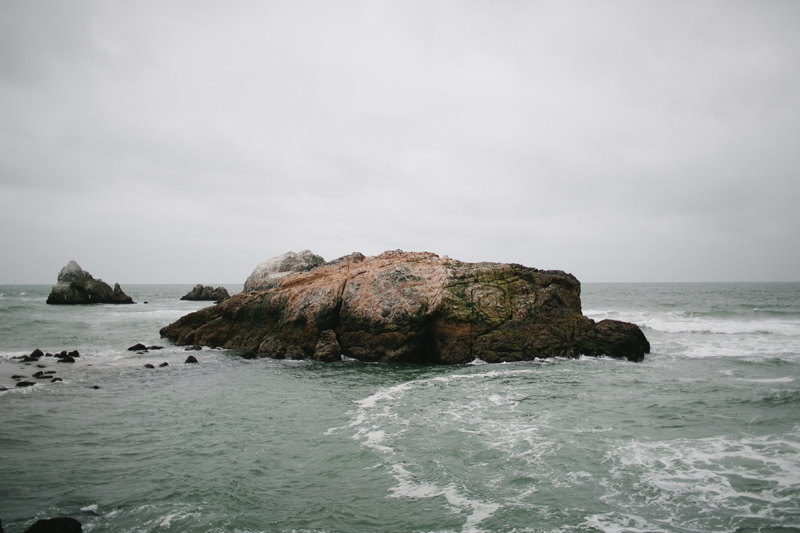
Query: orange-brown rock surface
[{"x": 412, "y": 307}]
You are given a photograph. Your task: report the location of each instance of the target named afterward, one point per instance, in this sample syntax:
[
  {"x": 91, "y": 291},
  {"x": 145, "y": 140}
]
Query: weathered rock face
[
  {"x": 201, "y": 293},
  {"x": 412, "y": 307},
  {"x": 273, "y": 271},
  {"x": 76, "y": 286}
]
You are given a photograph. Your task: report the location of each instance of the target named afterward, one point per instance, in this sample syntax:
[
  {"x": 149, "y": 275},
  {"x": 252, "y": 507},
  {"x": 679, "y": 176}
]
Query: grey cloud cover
[{"x": 189, "y": 141}]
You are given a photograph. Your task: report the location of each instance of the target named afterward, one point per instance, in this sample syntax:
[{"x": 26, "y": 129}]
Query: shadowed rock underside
[{"x": 412, "y": 307}]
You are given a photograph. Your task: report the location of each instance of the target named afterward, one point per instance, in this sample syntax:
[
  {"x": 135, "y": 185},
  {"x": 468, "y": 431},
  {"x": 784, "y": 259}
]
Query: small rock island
[
  {"x": 76, "y": 286},
  {"x": 406, "y": 307},
  {"x": 201, "y": 293}
]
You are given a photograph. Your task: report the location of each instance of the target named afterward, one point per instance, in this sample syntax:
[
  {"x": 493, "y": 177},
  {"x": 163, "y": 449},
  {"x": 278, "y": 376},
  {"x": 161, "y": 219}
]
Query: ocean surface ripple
[{"x": 703, "y": 436}]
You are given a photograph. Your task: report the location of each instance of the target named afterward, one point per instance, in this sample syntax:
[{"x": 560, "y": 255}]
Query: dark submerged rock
[
  {"x": 162, "y": 365},
  {"x": 76, "y": 286},
  {"x": 411, "y": 307},
  {"x": 56, "y": 525},
  {"x": 55, "y": 380},
  {"x": 148, "y": 365},
  {"x": 191, "y": 359},
  {"x": 36, "y": 353},
  {"x": 137, "y": 347},
  {"x": 196, "y": 347},
  {"x": 201, "y": 293},
  {"x": 25, "y": 384},
  {"x": 66, "y": 359}
]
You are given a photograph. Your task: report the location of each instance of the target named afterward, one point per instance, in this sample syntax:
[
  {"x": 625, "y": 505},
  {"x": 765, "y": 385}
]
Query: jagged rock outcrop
[
  {"x": 273, "y": 271},
  {"x": 327, "y": 348},
  {"x": 201, "y": 293},
  {"x": 412, "y": 307},
  {"x": 76, "y": 286}
]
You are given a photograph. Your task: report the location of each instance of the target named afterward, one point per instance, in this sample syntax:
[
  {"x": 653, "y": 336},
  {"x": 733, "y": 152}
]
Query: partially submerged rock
[
  {"x": 327, "y": 348},
  {"x": 56, "y": 525},
  {"x": 411, "y": 307},
  {"x": 202, "y": 293},
  {"x": 76, "y": 286}
]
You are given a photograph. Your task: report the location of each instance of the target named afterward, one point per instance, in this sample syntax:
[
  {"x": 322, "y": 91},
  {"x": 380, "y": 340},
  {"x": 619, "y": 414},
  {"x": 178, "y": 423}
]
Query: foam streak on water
[{"x": 703, "y": 436}]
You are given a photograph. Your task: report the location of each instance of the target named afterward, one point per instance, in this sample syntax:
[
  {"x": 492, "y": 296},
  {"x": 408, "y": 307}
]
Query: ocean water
[{"x": 703, "y": 436}]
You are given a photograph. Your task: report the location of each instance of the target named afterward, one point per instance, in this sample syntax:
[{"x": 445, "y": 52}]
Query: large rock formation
[
  {"x": 273, "y": 271},
  {"x": 201, "y": 293},
  {"x": 76, "y": 286},
  {"x": 413, "y": 307}
]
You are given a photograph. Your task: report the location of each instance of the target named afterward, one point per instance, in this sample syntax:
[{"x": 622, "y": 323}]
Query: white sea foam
[
  {"x": 689, "y": 480},
  {"x": 391, "y": 393},
  {"x": 177, "y": 515},
  {"x": 408, "y": 487},
  {"x": 768, "y": 380},
  {"x": 708, "y": 335},
  {"x": 380, "y": 426},
  {"x": 683, "y": 322},
  {"x": 621, "y": 523}
]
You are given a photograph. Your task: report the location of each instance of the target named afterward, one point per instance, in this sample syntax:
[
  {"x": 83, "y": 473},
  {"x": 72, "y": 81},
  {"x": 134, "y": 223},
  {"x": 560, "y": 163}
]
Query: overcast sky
[{"x": 187, "y": 141}]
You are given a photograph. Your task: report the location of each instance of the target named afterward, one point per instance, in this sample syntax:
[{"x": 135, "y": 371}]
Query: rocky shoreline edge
[{"x": 15, "y": 373}]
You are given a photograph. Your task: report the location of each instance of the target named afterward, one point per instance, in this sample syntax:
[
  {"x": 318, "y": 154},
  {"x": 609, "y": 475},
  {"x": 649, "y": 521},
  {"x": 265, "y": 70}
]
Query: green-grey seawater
[{"x": 704, "y": 435}]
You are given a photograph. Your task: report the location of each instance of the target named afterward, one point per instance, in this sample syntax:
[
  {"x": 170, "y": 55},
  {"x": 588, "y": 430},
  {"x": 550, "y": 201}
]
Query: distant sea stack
[
  {"x": 76, "y": 286},
  {"x": 201, "y": 293},
  {"x": 407, "y": 307}
]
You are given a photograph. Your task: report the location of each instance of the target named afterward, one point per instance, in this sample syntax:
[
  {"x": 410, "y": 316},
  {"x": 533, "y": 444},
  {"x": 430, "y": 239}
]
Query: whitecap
[
  {"x": 408, "y": 487},
  {"x": 785, "y": 379},
  {"x": 688, "y": 480}
]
